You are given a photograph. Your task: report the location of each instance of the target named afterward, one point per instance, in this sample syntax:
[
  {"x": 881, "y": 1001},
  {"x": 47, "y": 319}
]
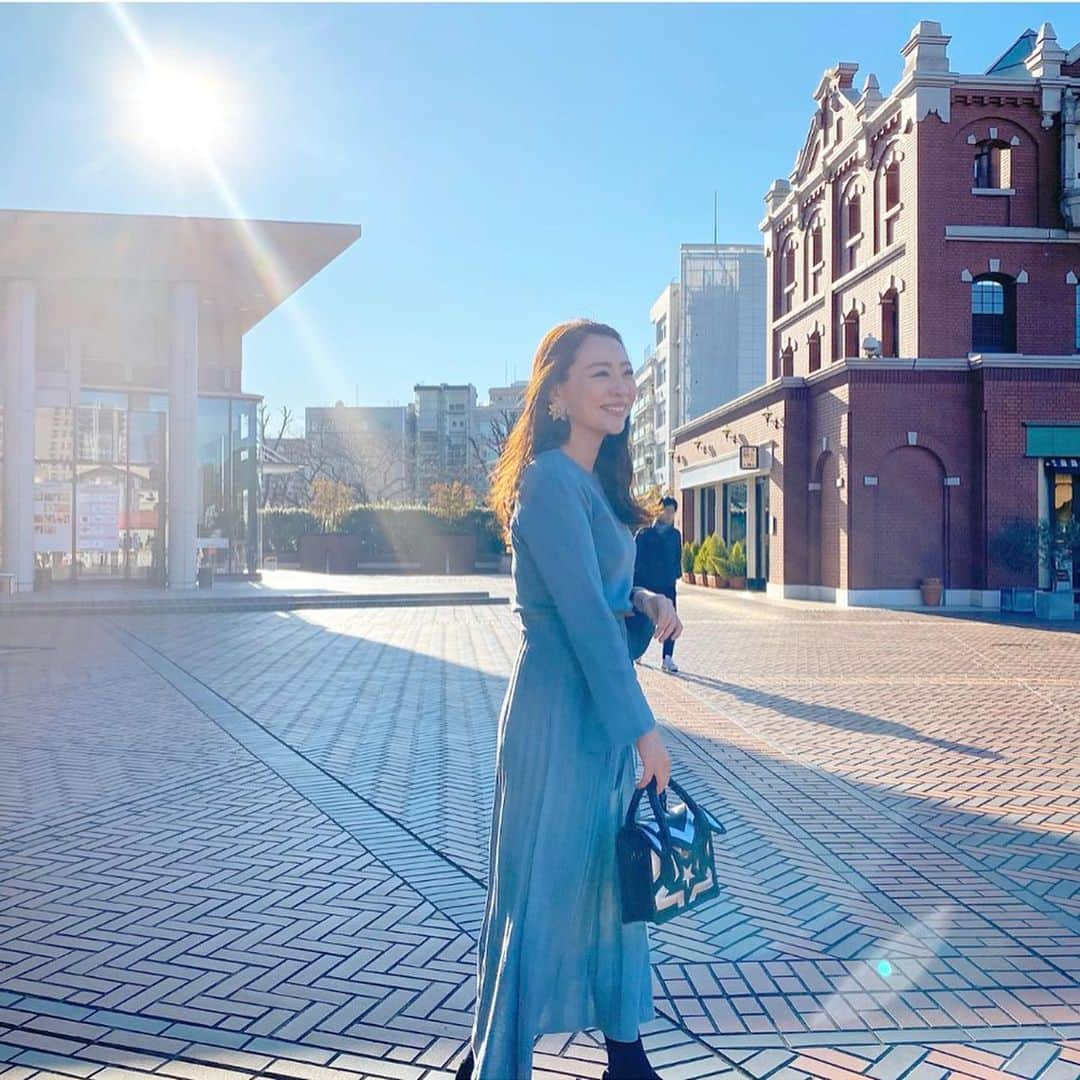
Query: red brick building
[{"x": 924, "y": 334}]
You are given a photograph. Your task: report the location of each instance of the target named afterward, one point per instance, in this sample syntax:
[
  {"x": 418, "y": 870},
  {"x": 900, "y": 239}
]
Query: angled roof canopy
[{"x": 249, "y": 266}]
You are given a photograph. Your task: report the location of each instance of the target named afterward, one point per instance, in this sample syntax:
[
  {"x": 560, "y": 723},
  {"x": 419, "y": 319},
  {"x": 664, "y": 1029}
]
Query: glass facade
[
  {"x": 734, "y": 520},
  {"x": 100, "y": 487},
  {"x": 228, "y": 522}
]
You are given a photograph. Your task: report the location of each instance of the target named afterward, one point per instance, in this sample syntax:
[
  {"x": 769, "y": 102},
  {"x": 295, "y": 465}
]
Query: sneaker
[{"x": 670, "y": 666}]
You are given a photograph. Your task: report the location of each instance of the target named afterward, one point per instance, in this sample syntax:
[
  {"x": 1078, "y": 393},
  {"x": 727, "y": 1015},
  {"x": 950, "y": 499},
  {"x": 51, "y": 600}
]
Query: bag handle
[{"x": 658, "y": 807}]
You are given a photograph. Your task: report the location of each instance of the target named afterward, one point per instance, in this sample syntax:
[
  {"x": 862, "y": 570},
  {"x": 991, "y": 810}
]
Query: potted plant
[
  {"x": 688, "y": 562},
  {"x": 701, "y": 557},
  {"x": 931, "y": 589},
  {"x": 737, "y": 566},
  {"x": 1016, "y": 547},
  {"x": 717, "y": 567}
]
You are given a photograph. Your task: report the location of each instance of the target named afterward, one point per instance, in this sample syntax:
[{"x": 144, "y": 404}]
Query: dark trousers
[{"x": 669, "y": 645}]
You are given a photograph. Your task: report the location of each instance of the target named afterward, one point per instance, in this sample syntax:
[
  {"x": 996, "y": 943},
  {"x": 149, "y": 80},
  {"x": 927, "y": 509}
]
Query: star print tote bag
[{"x": 666, "y": 865}]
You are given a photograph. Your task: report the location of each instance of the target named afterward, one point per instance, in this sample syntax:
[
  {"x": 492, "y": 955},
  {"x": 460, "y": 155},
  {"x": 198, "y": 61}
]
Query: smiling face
[{"x": 599, "y": 388}]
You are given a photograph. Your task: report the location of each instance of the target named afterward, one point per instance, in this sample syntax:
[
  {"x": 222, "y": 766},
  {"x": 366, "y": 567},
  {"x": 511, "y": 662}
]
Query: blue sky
[{"x": 511, "y": 166}]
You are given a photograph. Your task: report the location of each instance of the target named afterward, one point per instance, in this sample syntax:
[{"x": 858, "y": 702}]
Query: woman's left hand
[{"x": 662, "y": 614}]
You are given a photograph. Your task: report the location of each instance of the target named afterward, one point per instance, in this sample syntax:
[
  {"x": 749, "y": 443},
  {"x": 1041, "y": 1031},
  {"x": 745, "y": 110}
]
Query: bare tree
[{"x": 488, "y": 445}]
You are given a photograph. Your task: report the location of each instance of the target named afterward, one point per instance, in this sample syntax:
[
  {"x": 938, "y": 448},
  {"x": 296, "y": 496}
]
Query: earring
[{"x": 556, "y": 410}]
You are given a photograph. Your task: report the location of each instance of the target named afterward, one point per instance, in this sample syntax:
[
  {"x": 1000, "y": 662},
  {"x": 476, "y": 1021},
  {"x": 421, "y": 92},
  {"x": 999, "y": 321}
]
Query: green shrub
[
  {"x": 688, "y": 558},
  {"x": 718, "y": 559},
  {"x": 282, "y": 527},
  {"x": 736, "y": 560},
  {"x": 703, "y": 559},
  {"x": 387, "y": 533}
]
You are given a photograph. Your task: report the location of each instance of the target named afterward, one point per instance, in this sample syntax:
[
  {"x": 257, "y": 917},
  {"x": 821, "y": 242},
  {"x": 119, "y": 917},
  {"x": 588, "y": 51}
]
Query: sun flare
[{"x": 181, "y": 114}]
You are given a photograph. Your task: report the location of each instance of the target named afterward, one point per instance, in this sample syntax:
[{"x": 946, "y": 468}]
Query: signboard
[
  {"x": 52, "y": 516},
  {"x": 748, "y": 458},
  {"x": 98, "y": 526}
]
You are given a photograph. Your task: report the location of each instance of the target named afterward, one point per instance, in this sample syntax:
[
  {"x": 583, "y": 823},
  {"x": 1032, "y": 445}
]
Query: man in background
[{"x": 659, "y": 563}]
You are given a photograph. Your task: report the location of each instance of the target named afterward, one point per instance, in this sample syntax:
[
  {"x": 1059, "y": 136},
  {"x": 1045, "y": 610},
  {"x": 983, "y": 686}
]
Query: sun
[{"x": 180, "y": 114}]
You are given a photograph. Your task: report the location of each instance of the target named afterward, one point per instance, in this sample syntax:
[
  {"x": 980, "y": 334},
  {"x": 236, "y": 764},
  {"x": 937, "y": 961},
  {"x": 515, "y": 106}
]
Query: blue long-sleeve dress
[{"x": 554, "y": 955}]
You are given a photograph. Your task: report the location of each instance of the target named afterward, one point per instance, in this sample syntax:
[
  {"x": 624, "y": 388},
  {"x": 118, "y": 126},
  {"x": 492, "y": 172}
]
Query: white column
[
  {"x": 18, "y": 351},
  {"x": 751, "y": 527},
  {"x": 183, "y": 509}
]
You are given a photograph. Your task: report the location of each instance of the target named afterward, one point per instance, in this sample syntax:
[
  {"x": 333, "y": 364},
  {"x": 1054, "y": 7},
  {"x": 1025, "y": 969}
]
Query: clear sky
[{"x": 511, "y": 166}]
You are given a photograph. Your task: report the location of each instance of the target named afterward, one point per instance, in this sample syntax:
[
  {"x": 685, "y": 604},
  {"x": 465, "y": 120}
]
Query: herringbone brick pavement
[{"x": 264, "y": 835}]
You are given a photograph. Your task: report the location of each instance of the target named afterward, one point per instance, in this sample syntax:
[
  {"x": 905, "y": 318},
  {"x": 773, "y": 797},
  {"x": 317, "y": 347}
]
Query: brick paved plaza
[{"x": 240, "y": 844}]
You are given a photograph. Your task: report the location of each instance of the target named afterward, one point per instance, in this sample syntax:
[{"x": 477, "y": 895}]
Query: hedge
[{"x": 388, "y": 533}]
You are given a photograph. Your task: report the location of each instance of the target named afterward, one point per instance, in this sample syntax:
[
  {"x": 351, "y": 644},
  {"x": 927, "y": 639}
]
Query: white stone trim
[
  {"x": 722, "y": 470},
  {"x": 1010, "y": 234}
]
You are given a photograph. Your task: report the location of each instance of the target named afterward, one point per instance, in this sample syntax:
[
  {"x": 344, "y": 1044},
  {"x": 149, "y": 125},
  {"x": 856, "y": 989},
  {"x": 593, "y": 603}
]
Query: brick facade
[{"x": 945, "y": 305}]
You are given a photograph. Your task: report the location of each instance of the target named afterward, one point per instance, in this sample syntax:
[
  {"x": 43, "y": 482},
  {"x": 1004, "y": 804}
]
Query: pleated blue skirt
[{"x": 554, "y": 955}]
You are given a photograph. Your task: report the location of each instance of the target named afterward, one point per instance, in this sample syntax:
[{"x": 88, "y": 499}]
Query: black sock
[{"x": 627, "y": 1060}]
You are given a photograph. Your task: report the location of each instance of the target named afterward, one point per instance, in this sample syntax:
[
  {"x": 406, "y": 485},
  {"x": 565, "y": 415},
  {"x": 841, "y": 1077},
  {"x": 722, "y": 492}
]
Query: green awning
[{"x": 1050, "y": 440}]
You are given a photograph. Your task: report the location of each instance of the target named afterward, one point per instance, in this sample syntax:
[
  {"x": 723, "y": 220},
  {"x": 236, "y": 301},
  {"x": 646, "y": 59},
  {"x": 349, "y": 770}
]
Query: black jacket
[{"x": 659, "y": 558}]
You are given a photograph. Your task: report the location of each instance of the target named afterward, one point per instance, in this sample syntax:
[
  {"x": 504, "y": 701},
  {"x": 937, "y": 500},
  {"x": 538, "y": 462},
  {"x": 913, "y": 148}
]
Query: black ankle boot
[
  {"x": 627, "y": 1061},
  {"x": 465, "y": 1069}
]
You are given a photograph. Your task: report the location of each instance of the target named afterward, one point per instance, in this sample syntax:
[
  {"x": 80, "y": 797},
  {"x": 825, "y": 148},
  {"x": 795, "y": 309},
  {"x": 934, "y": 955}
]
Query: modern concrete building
[
  {"x": 722, "y": 324},
  {"x": 129, "y": 443},
  {"x": 443, "y": 428},
  {"x": 643, "y": 445},
  {"x": 924, "y": 330}
]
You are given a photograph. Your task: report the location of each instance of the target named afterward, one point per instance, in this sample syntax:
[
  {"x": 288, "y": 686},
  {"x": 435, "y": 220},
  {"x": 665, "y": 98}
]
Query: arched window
[
  {"x": 993, "y": 314},
  {"x": 787, "y": 276},
  {"x": 850, "y": 229},
  {"x": 851, "y": 335},
  {"x": 993, "y": 165},
  {"x": 813, "y": 351},
  {"x": 787, "y": 362},
  {"x": 890, "y": 324}
]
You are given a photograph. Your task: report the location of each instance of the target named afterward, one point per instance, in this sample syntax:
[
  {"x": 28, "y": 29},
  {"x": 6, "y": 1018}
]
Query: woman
[{"x": 554, "y": 955}]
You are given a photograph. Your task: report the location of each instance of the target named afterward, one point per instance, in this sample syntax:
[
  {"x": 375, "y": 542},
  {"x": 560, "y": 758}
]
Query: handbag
[{"x": 666, "y": 866}]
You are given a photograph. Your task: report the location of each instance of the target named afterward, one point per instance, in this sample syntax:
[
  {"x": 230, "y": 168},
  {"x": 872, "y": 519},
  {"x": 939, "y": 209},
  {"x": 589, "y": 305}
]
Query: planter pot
[
  {"x": 330, "y": 553},
  {"x": 931, "y": 590},
  {"x": 449, "y": 553},
  {"x": 737, "y": 582},
  {"x": 712, "y": 581},
  {"x": 204, "y": 577},
  {"x": 1056, "y": 606},
  {"x": 690, "y": 578}
]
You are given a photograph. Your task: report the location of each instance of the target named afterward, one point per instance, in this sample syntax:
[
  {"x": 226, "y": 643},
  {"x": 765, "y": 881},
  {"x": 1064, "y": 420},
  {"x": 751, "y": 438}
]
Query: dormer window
[{"x": 993, "y": 166}]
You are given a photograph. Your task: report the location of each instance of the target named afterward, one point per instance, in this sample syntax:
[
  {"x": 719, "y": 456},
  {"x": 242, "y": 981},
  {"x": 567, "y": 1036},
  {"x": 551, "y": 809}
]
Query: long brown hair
[{"x": 535, "y": 430}]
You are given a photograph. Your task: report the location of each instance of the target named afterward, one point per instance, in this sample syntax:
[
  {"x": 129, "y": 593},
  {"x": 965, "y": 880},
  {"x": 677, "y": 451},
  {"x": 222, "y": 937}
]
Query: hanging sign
[{"x": 748, "y": 458}]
